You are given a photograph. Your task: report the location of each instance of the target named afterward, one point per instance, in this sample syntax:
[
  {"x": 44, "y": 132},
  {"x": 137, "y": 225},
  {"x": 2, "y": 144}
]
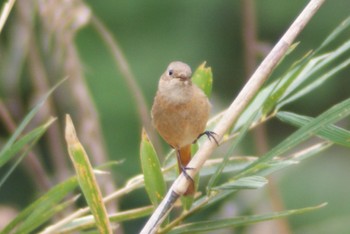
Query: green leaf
[
  {"x": 307, "y": 88},
  {"x": 301, "y": 78},
  {"x": 336, "y": 32},
  {"x": 282, "y": 84},
  {"x": 29, "y": 141},
  {"x": 32, "y": 215},
  {"x": 250, "y": 182},
  {"x": 154, "y": 181},
  {"x": 262, "y": 169},
  {"x": 20, "y": 144},
  {"x": 211, "y": 225},
  {"x": 86, "y": 178},
  {"x": 28, "y": 118},
  {"x": 234, "y": 164},
  {"x": 332, "y": 115},
  {"x": 38, "y": 217},
  {"x": 213, "y": 180},
  {"x": 331, "y": 133},
  {"x": 203, "y": 78},
  {"x": 267, "y": 168}
]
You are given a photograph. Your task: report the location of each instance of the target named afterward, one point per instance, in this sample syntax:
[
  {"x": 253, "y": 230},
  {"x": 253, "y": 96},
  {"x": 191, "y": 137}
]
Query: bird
[{"x": 180, "y": 112}]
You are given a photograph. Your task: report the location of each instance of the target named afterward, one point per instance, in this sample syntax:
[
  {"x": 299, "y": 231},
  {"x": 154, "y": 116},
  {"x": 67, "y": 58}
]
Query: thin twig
[{"x": 236, "y": 108}]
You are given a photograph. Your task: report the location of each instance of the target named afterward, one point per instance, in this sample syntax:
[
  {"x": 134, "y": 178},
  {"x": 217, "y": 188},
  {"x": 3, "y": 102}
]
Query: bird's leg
[
  {"x": 182, "y": 167},
  {"x": 209, "y": 134}
]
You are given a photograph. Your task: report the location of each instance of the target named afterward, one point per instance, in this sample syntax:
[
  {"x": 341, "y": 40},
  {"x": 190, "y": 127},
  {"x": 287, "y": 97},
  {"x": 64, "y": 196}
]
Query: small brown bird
[{"x": 180, "y": 112}]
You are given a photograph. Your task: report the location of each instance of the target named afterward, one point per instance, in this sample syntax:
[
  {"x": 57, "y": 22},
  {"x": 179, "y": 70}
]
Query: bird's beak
[{"x": 183, "y": 77}]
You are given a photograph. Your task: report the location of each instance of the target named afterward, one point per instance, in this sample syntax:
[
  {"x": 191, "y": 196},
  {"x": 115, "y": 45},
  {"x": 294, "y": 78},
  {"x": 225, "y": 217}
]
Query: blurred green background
[{"x": 154, "y": 33}]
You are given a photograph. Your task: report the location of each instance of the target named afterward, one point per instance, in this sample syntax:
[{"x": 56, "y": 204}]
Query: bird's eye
[{"x": 170, "y": 72}]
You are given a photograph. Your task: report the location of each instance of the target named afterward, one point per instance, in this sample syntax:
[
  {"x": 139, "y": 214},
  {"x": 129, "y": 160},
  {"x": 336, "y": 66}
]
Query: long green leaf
[
  {"x": 332, "y": 115},
  {"x": 47, "y": 202},
  {"x": 23, "y": 141},
  {"x": 213, "y": 180},
  {"x": 152, "y": 172},
  {"x": 263, "y": 169},
  {"x": 284, "y": 90},
  {"x": 211, "y": 225},
  {"x": 311, "y": 151},
  {"x": 28, "y": 118},
  {"x": 317, "y": 64},
  {"x": 36, "y": 136},
  {"x": 282, "y": 84},
  {"x": 331, "y": 133},
  {"x": 250, "y": 182},
  {"x": 343, "y": 27},
  {"x": 267, "y": 168},
  {"x": 86, "y": 178},
  {"x": 234, "y": 164},
  {"x": 40, "y": 216},
  {"x": 29, "y": 141}
]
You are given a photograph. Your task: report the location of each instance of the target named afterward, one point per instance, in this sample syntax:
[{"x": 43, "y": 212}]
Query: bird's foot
[{"x": 210, "y": 135}]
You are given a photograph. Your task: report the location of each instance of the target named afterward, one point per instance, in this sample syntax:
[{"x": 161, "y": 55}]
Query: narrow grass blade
[
  {"x": 282, "y": 84},
  {"x": 310, "y": 151},
  {"x": 332, "y": 115},
  {"x": 267, "y": 98},
  {"x": 234, "y": 164},
  {"x": 331, "y": 133},
  {"x": 39, "y": 217},
  {"x": 250, "y": 182},
  {"x": 86, "y": 178},
  {"x": 154, "y": 180},
  {"x": 211, "y": 225},
  {"x": 29, "y": 117},
  {"x": 20, "y": 144},
  {"x": 263, "y": 169},
  {"x": 45, "y": 203},
  {"x": 25, "y": 144},
  {"x": 343, "y": 27},
  {"x": 203, "y": 78},
  {"x": 300, "y": 87},
  {"x": 213, "y": 180}
]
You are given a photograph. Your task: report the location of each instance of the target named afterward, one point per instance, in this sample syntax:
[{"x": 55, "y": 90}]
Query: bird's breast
[{"x": 180, "y": 123}]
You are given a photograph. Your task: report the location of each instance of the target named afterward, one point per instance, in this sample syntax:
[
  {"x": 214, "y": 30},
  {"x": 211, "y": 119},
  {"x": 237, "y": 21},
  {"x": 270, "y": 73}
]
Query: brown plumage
[{"x": 180, "y": 112}]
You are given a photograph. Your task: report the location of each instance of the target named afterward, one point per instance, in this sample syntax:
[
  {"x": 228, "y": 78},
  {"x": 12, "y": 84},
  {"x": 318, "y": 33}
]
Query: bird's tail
[{"x": 183, "y": 158}]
